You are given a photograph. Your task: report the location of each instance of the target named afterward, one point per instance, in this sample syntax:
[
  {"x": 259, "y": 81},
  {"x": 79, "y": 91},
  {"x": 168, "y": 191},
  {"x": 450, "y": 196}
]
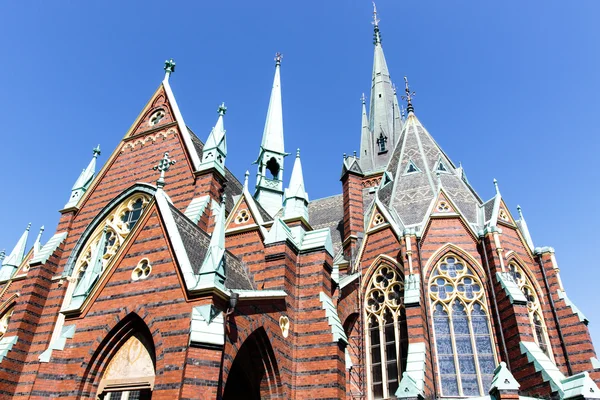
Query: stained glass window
[
  {"x": 387, "y": 331},
  {"x": 534, "y": 307},
  {"x": 466, "y": 359}
]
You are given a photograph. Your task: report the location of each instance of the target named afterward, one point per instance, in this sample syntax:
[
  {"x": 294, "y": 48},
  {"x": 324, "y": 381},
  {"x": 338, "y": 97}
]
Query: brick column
[{"x": 353, "y": 212}]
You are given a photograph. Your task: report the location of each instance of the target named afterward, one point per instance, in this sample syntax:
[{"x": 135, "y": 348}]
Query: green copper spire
[
  {"x": 214, "y": 151},
  {"x": 408, "y": 96},
  {"x": 296, "y": 199},
  {"x": 37, "y": 245},
  {"x": 212, "y": 271},
  {"x": 269, "y": 188},
  {"x": 163, "y": 166},
  {"x": 84, "y": 181},
  {"x": 496, "y": 186},
  {"x": 15, "y": 258}
]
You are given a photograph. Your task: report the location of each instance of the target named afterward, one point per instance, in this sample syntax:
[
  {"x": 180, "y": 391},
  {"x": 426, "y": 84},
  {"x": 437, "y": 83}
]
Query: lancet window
[
  {"x": 387, "y": 335},
  {"x": 465, "y": 351},
  {"x": 106, "y": 240},
  {"x": 534, "y": 307}
]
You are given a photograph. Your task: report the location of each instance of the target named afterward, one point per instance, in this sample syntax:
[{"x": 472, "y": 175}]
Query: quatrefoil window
[
  {"x": 443, "y": 206},
  {"x": 157, "y": 117},
  {"x": 378, "y": 220},
  {"x": 242, "y": 216},
  {"x": 142, "y": 270},
  {"x": 503, "y": 215}
]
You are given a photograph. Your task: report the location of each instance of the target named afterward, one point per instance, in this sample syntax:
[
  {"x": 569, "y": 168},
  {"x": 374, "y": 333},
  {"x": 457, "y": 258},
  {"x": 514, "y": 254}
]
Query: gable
[{"x": 157, "y": 112}]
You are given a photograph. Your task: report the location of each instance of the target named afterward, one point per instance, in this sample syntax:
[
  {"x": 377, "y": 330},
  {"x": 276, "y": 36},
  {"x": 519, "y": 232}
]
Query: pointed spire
[
  {"x": 2, "y": 255},
  {"x": 398, "y": 117},
  {"x": 273, "y": 133},
  {"x": 366, "y": 146},
  {"x": 296, "y": 200},
  {"x": 522, "y": 224},
  {"x": 163, "y": 165},
  {"x": 214, "y": 151},
  {"x": 15, "y": 258},
  {"x": 38, "y": 242},
  {"x": 408, "y": 96},
  {"x": 246, "y": 175},
  {"x": 212, "y": 271},
  {"x": 169, "y": 68},
  {"x": 84, "y": 181}
]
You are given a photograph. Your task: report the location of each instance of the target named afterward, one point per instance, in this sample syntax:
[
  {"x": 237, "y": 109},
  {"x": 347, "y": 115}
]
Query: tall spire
[
  {"x": 269, "y": 190},
  {"x": 382, "y": 136},
  {"x": 214, "y": 151},
  {"x": 15, "y": 258},
  {"x": 366, "y": 145},
  {"x": 296, "y": 198},
  {"x": 85, "y": 179}
]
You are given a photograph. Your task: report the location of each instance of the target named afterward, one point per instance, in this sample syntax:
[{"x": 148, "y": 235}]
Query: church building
[{"x": 168, "y": 278}]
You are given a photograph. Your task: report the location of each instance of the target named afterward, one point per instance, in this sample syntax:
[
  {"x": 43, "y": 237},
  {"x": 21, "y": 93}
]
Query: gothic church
[{"x": 166, "y": 278}]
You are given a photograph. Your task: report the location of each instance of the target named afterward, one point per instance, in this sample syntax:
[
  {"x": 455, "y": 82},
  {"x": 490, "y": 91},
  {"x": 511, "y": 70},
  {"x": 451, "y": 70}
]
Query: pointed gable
[{"x": 158, "y": 112}]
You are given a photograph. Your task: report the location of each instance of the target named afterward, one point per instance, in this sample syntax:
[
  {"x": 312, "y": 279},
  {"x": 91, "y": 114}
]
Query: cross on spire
[
  {"x": 375, "y": 19},
  {"x": 169, "y": 67},
  {"x": 408, "y": 97},
  {"x": 278, "y": 58},
  {"x": 163, "y": 166},
  {"x": 375, "y": 22},
  {"x": 97, "y": 151},
  {"x": 363, "y": 99},
  {"x": 222, "y": 109}
]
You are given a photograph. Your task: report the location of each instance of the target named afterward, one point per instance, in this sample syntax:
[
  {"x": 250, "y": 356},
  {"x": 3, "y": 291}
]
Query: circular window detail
[
  {"x": 443, "y": 206},
  {"x": 242, "y": 216},
  {"x": 378, "y": 220},
  {"x": 504, "y": 216},
  {"x": 142, "y": 270},
  {"x": 157, "y": 117}
]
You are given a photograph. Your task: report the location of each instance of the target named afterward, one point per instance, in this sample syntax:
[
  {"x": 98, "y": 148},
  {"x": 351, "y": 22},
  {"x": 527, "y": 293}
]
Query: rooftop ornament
[
  {"x": 375, "y": 22},
  {"x": 163, "y": 166},
  {"x": 222, "y": 109},
  {"x": 169, "y": 67},
  {"x": 408, "y": 97},
  {"x": 278, "y": 58}
]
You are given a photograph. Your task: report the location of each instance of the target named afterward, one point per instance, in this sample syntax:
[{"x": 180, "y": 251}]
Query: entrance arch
[{"x": 254, "y": 374}]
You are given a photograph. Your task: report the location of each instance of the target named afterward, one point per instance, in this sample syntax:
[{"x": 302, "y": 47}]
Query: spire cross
[
  {"x": 222, "y": 109},
  {"x": 163, "y": 166},
  {"x": 169, "y": 67},
  {"x": 278, "y": 58},
  {"x": 408, "y": 97},
  {"x": 375, "y": 19}
]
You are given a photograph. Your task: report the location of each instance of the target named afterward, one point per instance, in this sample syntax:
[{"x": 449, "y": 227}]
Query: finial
[
  {"x": 163, "y": 166},
  {"x": 298, "y": 152},
  {"x": 278, "y": 58},
  {"x": 344, "y": 156},
  {"x": 169, "y": 67},
  {"x": 375, "y": 22},
  {"x": 246, "y": 175},
  {"x": 460, "y": 164},
  {"x": 408, "y": 97},
  {"x": 28, "y": 227},
  {"x": 2, "y": 255},
  {"x": 394, "y": 88},
  {"x": 375, "y": 19},
  {"x": 97, "y": 151},
  {"x": 496, "y": 186},
  {"x": 223, "y": 198},
  {"x": 354, "y": 153},
  {"x": 402, "y": 111},
  {"x": 363, "y": 99},
  {"x": 520, "y": 212},
  {"x": 42, "y": 229},
  {"x": 222, "y": 109}
]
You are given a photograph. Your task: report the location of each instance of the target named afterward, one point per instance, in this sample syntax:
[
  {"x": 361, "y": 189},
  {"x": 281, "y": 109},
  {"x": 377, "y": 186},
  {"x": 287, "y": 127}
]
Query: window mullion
[
  {"x": 368, "y": 355},
  {"x": 475, "y": 355},
  {"x": 382, "y": 345},
  {"x": 398, "y": 346},
  {"x": 456, "y": 364}
]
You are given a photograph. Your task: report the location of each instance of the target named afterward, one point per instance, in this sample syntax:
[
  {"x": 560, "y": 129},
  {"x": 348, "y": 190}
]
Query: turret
[
  {"x": 296, "y": 199},
  {"x": 83, "y": 182},
  {"x": 15, "y": 258},
  {"x": 214, "y": 151}
]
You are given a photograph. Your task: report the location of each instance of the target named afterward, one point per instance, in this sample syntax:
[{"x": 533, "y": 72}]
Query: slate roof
[
  {"x": 196, "y": 242},
  {"x": 233, "y": 186},
  {"x": 410, "y": 194},
  {"x": 328, "y": 212}
]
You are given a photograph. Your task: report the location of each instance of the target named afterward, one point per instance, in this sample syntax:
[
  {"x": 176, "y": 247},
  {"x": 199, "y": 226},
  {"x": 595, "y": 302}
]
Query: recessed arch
[
  {"x": 452, "y": 248},
  {"x": 512, "y": 256},
  {"x": 381, "y": 258},
  {"x": 254, "y": 373}
]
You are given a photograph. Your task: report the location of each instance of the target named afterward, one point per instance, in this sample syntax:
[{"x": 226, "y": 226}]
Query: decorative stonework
[
  {"x": 284, "y": 324},
  {"x": 158, "y": 116},
  {"x": 443, "y": 206},
  {"x": 148, "y": 139},
  {"x": 378, "y": 219},
  {"x": 503, "y": 215},
  {"x": 132, "y": 366},
  {"x": 142, "y": 270},
  {"x": 367, "y": 183},
  {"x": 242, "y": 216}
]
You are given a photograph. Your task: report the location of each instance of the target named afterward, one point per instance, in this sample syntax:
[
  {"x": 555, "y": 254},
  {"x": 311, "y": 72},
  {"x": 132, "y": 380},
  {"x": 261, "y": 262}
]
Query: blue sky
[{"x": 509, "y": 88}]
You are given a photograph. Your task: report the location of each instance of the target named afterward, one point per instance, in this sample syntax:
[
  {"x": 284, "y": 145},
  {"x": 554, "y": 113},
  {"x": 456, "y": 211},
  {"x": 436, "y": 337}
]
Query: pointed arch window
[
  {"x": 382, "y": 143},
  {"x": 465, "y": 351},
  {"x": 387, "y": 335},
  {"x": 534, "y": 308}
]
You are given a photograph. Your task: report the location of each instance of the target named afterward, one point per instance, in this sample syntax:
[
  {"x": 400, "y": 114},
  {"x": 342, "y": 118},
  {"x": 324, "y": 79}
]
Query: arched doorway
[{"x": 254, "y": 374}]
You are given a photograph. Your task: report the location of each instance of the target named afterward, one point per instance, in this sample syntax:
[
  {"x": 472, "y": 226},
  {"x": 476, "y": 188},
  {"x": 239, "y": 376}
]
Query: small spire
[
  {"x": 520, "y": 212},
  {"x": 222, "y": 109},
  {"x": 97, "y": 151},
  {"x": 169, "y": 68},
  {"x": 2, "y": 255},
  {"x": 246, "y": 175},
  {"x": 37, "y": 245},
  {"x": 496, "y": 186},
  {"x": 344, "y": 156},
  {"x": 16, "y": 256},
  {"x": 163, "y": 165},
  {"x": 278, "y": 58},
  {"x": 408, "y": 97},
  {"x": 354, "y": 153}
]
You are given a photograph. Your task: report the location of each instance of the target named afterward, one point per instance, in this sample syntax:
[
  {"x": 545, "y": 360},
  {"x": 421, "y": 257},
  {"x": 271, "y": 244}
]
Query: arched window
[
  {"x": 534, "y": 307},
  {"x": 387, "y": 336},
  {"x": 465, "y": 350},
  {"x": 105, "y": 241},
  {"x": 4, "y": 320}
]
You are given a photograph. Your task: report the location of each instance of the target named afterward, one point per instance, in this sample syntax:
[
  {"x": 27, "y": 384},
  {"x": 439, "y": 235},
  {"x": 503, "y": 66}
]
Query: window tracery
[
  {"x": 465, "y": 351},
  {"x": 157, "y": 117},
  {"x": 4, "y": 320},
  {"x": 387, "y": 334},
  {"x": 242, "y": 216},
  {"x": 503, "y": 215},
  {"x": 443, "y": 206},
  {"x": 108, "y": 237},
  {"x": 378, "y": 219},
  {"x": 142, "y": 270},
  {"x": 534, "y": 307}
]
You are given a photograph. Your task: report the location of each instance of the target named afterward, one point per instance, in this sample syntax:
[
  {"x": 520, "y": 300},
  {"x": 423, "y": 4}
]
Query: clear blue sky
[{"x": 509, "y": 88}]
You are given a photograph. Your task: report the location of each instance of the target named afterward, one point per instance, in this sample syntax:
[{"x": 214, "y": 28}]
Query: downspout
[
  {"x": 426, "y": 303},
  {"x": 497, "y": 312},
  {"x": 555, "y": 315}
]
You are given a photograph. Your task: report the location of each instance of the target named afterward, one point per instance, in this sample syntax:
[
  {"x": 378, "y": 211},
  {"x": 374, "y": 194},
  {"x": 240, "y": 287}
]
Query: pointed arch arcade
[
  {"x": 386, "y": 331},
  {"x": 466, "y": 356}
]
